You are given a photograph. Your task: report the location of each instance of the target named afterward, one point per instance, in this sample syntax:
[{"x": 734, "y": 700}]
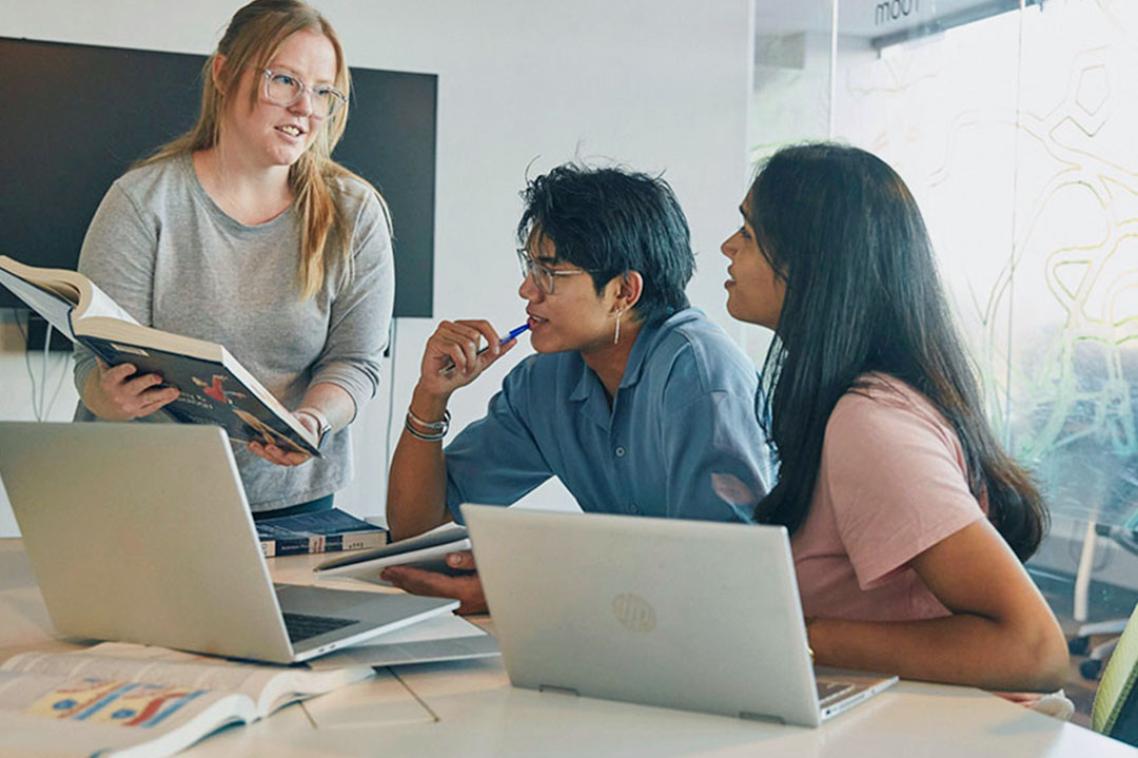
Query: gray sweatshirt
[{"x": 174, "y": 260}]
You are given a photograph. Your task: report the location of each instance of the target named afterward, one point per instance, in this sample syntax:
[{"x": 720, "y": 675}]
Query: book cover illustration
[
  {"x": 114, "y": 702},
  {"x": 210, "y": 394}
]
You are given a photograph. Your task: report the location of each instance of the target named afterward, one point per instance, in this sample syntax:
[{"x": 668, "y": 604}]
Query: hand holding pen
[
  {"x": 452, "y": 358},
  {"x": 449, "y": 367}
]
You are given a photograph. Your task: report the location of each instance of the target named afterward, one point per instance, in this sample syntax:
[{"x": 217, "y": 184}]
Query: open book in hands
[
  {"x": 215, "y": 388},
  {"x": 141, "y": 700}
]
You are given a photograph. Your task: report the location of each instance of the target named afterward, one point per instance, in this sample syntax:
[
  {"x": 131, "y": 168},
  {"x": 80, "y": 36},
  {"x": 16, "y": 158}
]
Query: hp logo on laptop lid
[{"x": 634, "y": 612}]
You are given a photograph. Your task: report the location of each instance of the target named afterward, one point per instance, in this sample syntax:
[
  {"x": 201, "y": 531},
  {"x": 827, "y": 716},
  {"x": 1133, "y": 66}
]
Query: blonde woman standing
[{"x": 244, "y": 231}]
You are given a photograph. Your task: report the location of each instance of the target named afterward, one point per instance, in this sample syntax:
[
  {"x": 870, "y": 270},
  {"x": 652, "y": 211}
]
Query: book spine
[{"x": 318, "y": 543}]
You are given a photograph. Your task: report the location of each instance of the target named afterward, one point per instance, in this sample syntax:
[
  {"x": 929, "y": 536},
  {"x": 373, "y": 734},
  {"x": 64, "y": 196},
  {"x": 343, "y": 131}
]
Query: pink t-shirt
[{"x": 892, "y": 483}]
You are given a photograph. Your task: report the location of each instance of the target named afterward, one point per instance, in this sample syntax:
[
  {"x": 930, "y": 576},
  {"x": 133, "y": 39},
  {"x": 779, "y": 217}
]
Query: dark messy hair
[
  {"x": 843, "y": 232},
  {"x": 611, "y": 222}
]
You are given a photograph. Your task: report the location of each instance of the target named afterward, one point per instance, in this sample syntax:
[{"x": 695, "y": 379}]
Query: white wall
[
  {"x": 16, "y": 399},
  {"x": 658, "y": 85}
]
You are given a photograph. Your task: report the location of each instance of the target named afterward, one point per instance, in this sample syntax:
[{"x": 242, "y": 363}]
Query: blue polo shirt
[{"x": 680, "y": 440}]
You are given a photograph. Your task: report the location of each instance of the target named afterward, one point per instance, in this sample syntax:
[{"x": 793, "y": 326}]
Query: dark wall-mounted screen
[{"x": 74, "y": 117}]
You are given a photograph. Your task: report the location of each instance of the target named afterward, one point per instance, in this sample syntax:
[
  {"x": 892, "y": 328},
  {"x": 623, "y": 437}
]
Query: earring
[{"x": 616, "y": 334}]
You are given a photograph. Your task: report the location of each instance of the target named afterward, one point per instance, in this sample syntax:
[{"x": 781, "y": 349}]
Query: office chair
[
  {"x": 1115, "y": 710},
  {"x": 1125, "y": 537}
]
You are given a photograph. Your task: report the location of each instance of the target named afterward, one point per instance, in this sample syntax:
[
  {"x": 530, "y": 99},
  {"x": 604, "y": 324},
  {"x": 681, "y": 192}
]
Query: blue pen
[
  {"x": 514, "y": 333},
  {"x": 448, "y": 369}
]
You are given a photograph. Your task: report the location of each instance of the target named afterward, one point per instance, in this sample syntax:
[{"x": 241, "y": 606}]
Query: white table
[{"x": 470, "y": 709}]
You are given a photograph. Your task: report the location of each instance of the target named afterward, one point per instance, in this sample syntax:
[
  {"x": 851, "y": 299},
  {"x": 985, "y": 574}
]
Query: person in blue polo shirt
[{"x": 637, "y": 402}]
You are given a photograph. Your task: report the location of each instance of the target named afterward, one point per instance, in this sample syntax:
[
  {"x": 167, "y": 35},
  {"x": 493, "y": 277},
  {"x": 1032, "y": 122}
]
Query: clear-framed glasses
[
  {"x": 282, "y": 88},
  {"x": 544, "y": 277}
]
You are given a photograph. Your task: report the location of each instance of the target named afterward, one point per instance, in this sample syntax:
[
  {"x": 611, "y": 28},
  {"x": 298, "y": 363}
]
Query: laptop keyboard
[
  {"x": 301, "y": 627},
  {"x": 831, "y": 691}
]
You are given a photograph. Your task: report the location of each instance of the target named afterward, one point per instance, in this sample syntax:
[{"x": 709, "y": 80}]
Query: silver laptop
[
  {"x": 141, "y": 533},
  {"x": 682, "y": 614}
]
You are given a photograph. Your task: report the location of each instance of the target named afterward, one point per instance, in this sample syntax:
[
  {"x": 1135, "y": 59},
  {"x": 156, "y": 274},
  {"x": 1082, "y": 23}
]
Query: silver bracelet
[
  {"x": 440, "y": 427},
  {"x": 431, "y": 437}
]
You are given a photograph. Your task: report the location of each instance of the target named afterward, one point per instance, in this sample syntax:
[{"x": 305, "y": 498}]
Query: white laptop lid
[
  {"x": 86, "y": 495},
  {"x": 684, "y": 614}
]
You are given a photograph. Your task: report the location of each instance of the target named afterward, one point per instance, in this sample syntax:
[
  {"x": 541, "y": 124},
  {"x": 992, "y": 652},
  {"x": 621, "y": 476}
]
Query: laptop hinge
[
  {"x": 559, "y": 690},
  {"x": 749, "y": 716}
]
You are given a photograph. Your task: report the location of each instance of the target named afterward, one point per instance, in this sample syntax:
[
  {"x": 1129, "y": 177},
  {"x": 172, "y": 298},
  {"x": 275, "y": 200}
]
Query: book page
[
  {"x": 99, "y": 303},
  {"x": 139, "y": 663},
  {"x": 71, "y": 286},
  {"x": 269, "y": 686},
  {"x": 65, "y": 715},
  {"x": 54, "y": 308},
  {"x": 300, "y": 683}
]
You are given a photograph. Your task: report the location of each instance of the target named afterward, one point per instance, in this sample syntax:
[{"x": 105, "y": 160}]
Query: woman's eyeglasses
[{"x": 285, "y": 89}]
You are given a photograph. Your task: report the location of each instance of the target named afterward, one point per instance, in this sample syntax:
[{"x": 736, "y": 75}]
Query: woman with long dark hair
[{"x": 908, "y": 521}]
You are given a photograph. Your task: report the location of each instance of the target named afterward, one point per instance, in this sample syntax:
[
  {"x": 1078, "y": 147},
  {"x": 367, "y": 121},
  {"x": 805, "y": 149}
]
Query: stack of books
[{"x": 328, "y": 531}]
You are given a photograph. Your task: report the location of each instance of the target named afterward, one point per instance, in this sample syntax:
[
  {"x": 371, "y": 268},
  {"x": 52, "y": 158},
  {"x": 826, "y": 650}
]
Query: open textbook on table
[
  {"x": 129, "y": 700},
  {"x": 215, "y": 388}
]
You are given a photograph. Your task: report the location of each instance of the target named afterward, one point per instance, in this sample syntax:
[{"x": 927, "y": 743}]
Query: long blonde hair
[{"x": 253, "y": 36}]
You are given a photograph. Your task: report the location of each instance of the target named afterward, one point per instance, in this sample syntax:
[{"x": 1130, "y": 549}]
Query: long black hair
[{"x": 843, "y": 232}]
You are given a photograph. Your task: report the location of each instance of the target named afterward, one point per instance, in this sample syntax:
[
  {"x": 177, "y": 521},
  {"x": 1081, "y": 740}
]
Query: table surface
[{"x": 470, "y": 708}]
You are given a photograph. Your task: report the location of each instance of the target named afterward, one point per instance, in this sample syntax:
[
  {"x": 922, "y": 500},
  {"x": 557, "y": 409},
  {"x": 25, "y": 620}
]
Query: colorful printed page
[
  {"x": 269, "y": 687},
  {"x": 122, "y": 697},
  {"x": 82, "y": 715}
]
